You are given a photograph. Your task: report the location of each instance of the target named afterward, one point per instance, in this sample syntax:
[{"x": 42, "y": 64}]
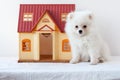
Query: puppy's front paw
[
  {"x": 101, "y": 59},
  {"x": 94, "y": 62},
  {"x": 74, "y": 61}
]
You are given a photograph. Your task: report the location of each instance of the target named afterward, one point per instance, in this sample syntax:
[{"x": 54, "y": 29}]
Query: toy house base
[
  {"x": 45, "y": 58},
  {"x": 52, "y": 61}
]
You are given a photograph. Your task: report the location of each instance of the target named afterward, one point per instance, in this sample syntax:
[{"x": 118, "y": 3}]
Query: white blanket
[{"x": 11, "y": 70}]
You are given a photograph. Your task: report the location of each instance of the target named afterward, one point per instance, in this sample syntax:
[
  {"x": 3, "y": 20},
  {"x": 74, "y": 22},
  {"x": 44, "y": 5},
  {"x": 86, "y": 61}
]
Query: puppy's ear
[
  {"x": 70, "y": 16},
  {"x": 90, "y": 15}
]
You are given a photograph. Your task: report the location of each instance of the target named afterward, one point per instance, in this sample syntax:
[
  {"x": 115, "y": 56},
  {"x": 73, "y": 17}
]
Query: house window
[
  {"x": 28, "y": 17},
  {"x": 66, "y": 46},
  {"x": 63, "y": 16},
  {"x": 26, "y": 45}
]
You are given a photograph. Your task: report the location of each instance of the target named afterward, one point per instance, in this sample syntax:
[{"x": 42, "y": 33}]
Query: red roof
[{"x": 37, "y": 10}]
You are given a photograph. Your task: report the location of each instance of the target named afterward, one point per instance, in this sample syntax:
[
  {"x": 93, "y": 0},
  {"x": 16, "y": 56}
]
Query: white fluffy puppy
[{"x": 86, "y": 43}]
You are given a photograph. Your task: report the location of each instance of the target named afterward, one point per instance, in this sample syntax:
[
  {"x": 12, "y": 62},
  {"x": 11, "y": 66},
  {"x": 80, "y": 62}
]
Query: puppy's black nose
[{"x": 80, "y": 31}]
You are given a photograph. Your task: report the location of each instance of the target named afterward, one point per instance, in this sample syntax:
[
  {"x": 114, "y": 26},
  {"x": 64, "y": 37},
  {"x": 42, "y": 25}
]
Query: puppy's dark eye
[
  {"x": 76, "y": 26},
  {"x": 84, "y": 26}
]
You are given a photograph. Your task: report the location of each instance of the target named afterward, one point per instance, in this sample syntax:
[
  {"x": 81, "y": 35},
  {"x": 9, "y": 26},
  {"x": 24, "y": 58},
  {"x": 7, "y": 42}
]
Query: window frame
[
  {"x": 23, "y": 45},
  {"x": 65, "y": 43},
  {"x": 64, "y": 16},
  {"x": 28, "y": 17}
]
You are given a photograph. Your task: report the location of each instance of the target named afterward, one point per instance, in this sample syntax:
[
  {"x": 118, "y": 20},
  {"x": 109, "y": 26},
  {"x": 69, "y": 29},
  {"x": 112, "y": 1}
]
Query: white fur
[{"x": 88, "y": 45}]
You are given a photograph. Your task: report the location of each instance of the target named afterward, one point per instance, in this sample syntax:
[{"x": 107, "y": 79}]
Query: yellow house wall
[
  {"x": 55, "y": 45},
  {"x": 36, "y": 46},
  {"x": 63, "y": 55},
  {"x": 24, "y": 55},
  {"x": 41, "y": 24}
]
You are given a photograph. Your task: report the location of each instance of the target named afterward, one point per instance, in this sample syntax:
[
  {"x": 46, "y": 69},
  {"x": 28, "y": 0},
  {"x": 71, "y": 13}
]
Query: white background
[{"x": 107, "y": 16}]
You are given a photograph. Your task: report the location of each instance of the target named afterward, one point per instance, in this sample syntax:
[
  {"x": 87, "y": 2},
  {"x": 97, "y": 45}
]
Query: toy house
[{"x": 41, "y": 32}]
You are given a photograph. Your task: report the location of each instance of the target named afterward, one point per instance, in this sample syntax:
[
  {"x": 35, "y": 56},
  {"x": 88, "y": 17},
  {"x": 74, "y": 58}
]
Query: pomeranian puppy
[{"x": 86, "y": 43}]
